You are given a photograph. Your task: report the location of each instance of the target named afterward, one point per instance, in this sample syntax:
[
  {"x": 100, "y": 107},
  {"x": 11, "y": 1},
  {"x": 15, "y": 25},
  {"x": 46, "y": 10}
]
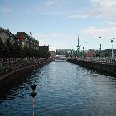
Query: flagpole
[
  {"x": 33, "y": 102},
  {"x": 112, "y": 41}
]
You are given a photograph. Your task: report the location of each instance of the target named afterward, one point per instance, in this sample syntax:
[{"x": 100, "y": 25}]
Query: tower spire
[
  {"x": 100, "y": 47},
  {"x": 78, "y": 40},
  {"x": 78, "y": 46}
]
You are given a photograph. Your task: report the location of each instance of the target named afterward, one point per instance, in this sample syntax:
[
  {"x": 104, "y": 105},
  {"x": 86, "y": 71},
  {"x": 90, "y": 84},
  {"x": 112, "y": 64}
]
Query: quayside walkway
[
  {"x": 9, "y": 68},
  {"x": 101, "y": 66}
]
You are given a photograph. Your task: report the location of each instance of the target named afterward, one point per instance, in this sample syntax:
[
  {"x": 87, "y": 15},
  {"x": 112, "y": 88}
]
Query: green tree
[{"x": 2, "y": 49}]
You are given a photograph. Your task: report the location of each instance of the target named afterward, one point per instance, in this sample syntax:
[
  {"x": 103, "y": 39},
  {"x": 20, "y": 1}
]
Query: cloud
[
  {"x": 51, "y": 2},
  {"x": 97, "y": 32},
  {"x": 111, "y": 23},
  {"x": 53, "y": 5},
  {"x": 5, "y": 10},
  {"x": 76, "y": 16},
  {"x": 105, "y": 9},
  {"x": 104, "y": 3}
]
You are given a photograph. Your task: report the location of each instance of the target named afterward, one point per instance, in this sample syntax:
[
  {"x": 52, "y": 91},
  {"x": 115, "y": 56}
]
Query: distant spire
[
  {"x": 100, "y": 47},
  {"x": 78, "y": 40},
  {"x": 78, "y": 46}
]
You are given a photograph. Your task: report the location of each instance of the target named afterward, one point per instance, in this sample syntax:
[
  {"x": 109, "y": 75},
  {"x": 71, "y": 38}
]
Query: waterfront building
[
  {"x": 53, "y": 54},
  {"x": 25, "y": 39},
  {"x": 44, "y": 48},
  {"x": 66, "y": 52},
  {"x": 63, "y": 51},
  {"x": 5, "y": 35},
  {"x": 91, "y": 53},
  {"x": 107, "y": 53}
]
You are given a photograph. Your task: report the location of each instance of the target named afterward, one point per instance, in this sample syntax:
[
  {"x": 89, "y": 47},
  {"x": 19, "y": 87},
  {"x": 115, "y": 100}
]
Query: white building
[{"x": 53, "y": 54}]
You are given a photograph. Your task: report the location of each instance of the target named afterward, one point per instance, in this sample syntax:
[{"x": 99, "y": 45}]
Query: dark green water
[{"x": 63, "y": 89}]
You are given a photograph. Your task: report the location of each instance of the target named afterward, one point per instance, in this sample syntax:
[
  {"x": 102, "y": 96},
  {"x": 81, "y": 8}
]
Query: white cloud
[
  {"x": 104, "y": 3},
  {"x": 97, "y": 32},
  {"x": 104, "y": 8},
  {"x": 5, "y": 10},
  {"x": 76, "y": 16},
  {"x": 51, "y": 2},
  {"x": 111, "y": 23},
  {"x": 55, "y": 4}
]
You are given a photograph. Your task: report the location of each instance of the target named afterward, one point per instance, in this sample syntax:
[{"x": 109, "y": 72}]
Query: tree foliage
[{"x": 8, "y": 50}]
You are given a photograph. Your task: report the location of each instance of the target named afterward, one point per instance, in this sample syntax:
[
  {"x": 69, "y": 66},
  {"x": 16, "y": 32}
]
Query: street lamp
[
  {"x": 84, "y": 48},
  {"x": 112, "y": 41},
  {"x": 83, "y": 52}
]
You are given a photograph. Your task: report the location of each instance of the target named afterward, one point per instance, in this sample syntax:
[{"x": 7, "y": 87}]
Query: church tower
[{"x": 78, "y": 47}]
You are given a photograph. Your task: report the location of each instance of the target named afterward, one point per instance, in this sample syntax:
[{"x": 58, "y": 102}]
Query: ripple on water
[{"x": 63, "y": 89}]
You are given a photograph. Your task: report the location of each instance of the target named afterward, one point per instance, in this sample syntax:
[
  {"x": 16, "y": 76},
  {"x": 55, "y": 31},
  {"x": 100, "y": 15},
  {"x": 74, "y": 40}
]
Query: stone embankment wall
[
  {"x": 108, "y": 68},
  {"x": 22, "y": 67}
]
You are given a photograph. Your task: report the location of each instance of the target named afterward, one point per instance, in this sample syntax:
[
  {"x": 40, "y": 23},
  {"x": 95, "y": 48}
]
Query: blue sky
[{"x": 59, "y": 22}]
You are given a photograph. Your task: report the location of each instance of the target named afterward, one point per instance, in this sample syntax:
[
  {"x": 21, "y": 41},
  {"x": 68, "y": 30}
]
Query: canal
[{"x": 63, "y": 89}]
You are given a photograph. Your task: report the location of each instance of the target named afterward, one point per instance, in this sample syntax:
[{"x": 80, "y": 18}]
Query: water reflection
[
  {"x": 64, "y": 89},
  {"x": 10, "y": 86}
]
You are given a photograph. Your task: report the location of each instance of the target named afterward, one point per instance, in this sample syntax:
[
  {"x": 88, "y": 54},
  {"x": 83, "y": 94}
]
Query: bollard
[
  {"x": 33, "y": 87},
  {"x": 33, "y": 94}
]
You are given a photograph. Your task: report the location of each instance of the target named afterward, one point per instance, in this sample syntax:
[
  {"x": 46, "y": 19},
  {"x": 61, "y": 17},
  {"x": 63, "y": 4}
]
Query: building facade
[
  {"x": 91, "y": 53},
  {"x": 44, "y": 48},
  {"x": 53, "y": 54},
  {"x": 25, "y": 40},
  {"x": 5, "y": 35},
  {"x": 63, "y": 51}
]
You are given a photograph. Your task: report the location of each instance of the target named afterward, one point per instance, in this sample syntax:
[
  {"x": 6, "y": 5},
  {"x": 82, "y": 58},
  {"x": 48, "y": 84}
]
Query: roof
[
  {"x": 24, "y": 35},
  {"x": 6, "y": 31}
]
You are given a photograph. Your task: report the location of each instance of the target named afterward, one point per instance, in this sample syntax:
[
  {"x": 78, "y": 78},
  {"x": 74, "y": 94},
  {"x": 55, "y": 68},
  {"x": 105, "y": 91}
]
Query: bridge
[{"x": 60, "y": 58}]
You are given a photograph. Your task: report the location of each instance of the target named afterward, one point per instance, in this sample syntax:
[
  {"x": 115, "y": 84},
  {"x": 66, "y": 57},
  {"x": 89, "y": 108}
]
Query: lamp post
[
  {"x": 83, "y": 52},
  {"x": 112, "y": 41}
]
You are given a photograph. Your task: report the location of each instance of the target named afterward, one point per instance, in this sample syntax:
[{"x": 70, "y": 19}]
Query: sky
[{"x": 58, "y": 23}]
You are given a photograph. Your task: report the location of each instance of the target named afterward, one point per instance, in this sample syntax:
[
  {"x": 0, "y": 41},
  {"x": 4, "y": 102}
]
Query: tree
[{"x": 2, "y": 49}]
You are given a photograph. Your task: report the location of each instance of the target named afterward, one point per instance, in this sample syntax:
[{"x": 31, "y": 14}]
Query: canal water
[{"x": 63, "y": 89}]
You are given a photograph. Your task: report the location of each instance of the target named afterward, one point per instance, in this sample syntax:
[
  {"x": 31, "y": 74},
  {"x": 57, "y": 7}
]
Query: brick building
[{"x": 25, "y": 39}]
